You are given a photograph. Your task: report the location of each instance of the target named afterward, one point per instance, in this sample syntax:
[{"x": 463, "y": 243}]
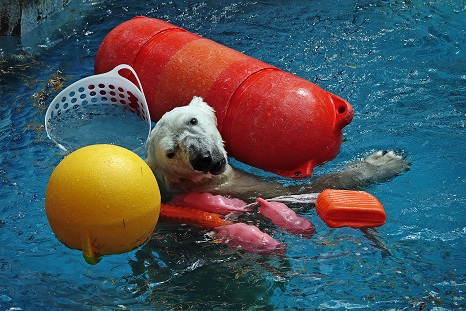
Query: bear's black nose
[
  {"x": 219, "y": 167},
  {"x": 202, "y": 162}
]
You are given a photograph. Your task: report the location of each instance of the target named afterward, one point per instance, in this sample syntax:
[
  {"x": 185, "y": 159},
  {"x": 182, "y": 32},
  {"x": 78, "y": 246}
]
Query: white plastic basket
[{"x": 101, "y": 109}]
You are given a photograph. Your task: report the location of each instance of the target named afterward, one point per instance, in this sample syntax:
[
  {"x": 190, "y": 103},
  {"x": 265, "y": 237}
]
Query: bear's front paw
[{"x": 389, "y": 162}]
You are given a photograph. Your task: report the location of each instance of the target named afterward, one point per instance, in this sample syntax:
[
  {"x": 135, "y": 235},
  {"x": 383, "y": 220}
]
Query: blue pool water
[{"x": 401, "y": 64}]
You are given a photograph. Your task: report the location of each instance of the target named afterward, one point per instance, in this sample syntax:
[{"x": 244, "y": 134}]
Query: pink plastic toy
[
  {"x": 209, "y": 203},
  {"x": 284, "y": 217},
  {"x": 249, "y": 238}
]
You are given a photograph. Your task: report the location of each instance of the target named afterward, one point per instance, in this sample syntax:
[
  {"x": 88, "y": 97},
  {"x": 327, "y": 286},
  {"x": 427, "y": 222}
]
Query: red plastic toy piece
[
  {"x": 191, "y": 216},
  {"x": 269, "y": 118},
  {"x": 345, "y": 208}
]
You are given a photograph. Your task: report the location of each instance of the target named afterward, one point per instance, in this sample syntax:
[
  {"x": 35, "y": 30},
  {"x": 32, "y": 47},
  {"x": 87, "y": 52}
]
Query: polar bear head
[{"x": 186, "y": 144}]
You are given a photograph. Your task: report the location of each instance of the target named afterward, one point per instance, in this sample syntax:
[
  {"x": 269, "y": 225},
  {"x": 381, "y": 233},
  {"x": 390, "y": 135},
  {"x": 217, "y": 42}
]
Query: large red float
[{"x": 268, "y": 118}]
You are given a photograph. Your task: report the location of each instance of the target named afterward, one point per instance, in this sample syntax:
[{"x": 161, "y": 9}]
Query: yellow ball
[{"x": 102, "y": 199}]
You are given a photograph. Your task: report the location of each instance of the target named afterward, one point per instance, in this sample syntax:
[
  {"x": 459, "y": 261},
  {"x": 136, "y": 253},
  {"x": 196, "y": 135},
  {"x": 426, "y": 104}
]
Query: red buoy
[{"x": 268, "y": 118}]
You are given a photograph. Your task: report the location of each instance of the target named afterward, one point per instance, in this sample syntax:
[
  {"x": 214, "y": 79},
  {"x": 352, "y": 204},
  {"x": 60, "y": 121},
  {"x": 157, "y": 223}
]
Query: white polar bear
[{"x": 186, "y": 153}]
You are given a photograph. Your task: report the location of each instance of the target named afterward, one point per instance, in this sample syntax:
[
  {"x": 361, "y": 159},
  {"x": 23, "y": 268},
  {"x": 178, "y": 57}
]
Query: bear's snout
[
  {"x": 219, "y": 167},
  {"x": 205, "y": 163},
  {"x": 202, "y": 162}
]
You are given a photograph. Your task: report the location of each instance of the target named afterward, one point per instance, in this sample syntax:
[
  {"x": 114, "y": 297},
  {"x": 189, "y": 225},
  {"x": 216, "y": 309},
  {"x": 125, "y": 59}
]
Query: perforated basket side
[{"x": 109, "y": 88}]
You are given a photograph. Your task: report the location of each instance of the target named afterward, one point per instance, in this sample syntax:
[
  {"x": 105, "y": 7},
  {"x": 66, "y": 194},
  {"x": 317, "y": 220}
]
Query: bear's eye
[
  {"x": 171, "y": 155},
  {"x": 193, "y": 121}
]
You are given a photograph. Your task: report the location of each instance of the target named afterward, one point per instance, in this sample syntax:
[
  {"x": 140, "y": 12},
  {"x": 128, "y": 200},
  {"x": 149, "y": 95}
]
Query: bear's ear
[{"x": 198, "y": 102}]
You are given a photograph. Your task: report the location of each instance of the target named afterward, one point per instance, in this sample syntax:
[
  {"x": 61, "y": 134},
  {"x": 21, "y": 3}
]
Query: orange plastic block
[{"x": 346, "y": 208}]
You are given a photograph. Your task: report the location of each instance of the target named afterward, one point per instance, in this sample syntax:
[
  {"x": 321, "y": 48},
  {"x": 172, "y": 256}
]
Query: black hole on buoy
[
  {"x": 297, "y": 174},
  {"x": 341, "y": 110}
]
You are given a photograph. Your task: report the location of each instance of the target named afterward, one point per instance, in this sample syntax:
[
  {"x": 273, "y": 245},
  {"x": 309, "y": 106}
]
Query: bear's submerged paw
[
  {"x": 383, "y": 157},
  {"x": 388, "y": 163}
]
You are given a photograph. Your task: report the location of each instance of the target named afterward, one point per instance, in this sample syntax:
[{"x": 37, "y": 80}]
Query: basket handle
[{"x": 115, "y": 72}]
